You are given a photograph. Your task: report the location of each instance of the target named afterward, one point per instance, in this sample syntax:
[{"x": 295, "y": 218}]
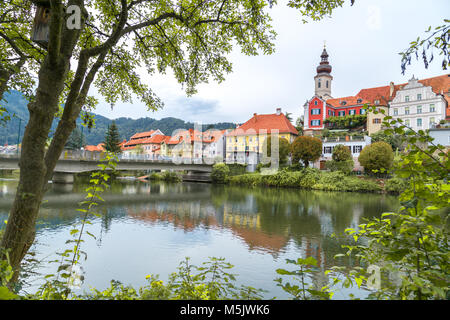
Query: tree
[
  {"x": 109, "y": 40},
  {"x": 307, "y": 149},
  {"x": 76, "y": 140},
  {"x": 112, "y": 140},
  {"x": 288, "y": 116},
  {"x": 284, "y": 148},
  {"x": 341, "y": 153},
  {"x": 299, "y": 125},
  {"x": 394, "y": 140},
  {"x": 377, "y": 156}
]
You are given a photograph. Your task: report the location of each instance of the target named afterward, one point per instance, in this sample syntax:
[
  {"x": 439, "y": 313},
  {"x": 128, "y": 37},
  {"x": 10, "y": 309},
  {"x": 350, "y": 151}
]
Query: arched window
[
  {"x": 327, "y": 84},
  {"x": 318, "y": 85}
]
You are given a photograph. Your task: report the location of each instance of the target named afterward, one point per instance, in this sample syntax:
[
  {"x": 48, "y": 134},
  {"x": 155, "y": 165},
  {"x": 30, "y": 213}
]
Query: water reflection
[{"x": 278, "y": 223}]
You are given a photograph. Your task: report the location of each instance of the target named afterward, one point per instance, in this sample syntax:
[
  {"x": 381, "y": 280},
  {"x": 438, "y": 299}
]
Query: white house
[{"x": 418, "y": 105}]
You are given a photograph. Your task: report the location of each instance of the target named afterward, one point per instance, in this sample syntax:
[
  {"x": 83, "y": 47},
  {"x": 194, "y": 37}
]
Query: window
[
  {"x": 352, "y": 112},
  {"x": 318, "y": 84},
  {"x": 432, "y": 108},
  {"x": 362, "y": 111},
  {"x": 315, "y": 122},
  {"x": 406, "y": 110},
  {"x": 419, "y": 96},
  {"x": 315, "y": 111},
  {"x": 344, "y": 103},
  {"x": 357, "y": 149},
  {"x": 377, "y": 102},
  {"x": 419, "y": 109},
  {"x": 376, "y": 120},
  {"x": 431, "y": 121},
  {"x": 395, "y": 112},
  {"x": 406, "y": 98},
  {"x": 359, "y": 100},
  {"x": 419, "y": 122},
  {"x": 328, "y": 150},
  {"x": 327, "y": 83},
  {"x": 341, "y": 113},
  {"x": 315, "y": 103},
  {"x": 330, "y": 113}
]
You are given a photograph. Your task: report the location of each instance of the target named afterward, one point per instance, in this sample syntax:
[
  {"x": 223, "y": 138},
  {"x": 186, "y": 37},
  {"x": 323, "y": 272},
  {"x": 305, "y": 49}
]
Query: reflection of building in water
[
  {"x": 313, "y": 248},
  {"x": 191, "y": 215},
  {"x": 358, "y": 211}
]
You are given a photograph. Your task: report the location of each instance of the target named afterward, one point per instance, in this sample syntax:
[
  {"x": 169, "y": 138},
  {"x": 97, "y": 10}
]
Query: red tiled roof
[
  {"x": 143, "y": 134},
  {"x": 439, "y": 85},
  {"x": 156, "y": 139},
  {"x": 265, "y": 122},
  {"x": 99, "y": 147}
]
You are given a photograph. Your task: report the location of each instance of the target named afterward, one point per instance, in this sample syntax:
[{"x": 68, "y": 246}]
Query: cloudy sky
[{"x": 363, "y": 42}]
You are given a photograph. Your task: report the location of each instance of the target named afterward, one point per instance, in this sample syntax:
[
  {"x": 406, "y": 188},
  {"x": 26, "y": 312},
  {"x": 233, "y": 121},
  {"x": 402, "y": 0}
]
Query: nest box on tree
[{"x": 40, "y": 32}]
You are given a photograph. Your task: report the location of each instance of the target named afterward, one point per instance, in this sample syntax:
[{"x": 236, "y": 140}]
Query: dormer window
[
  {"x": 359, "y": 100},
  {"x": 377, "y": 102},
  {"x": 343, "y": 103}
]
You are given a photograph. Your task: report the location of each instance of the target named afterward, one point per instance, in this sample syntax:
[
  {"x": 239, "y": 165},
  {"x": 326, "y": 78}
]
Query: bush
[
  {"x": 395, "y": 185},
  {"x": 376, "y": 157},
  {"x": 307, "y": 149},
  {"x": 220, "y": 173},
  {"x": 169, "y": 176},
  {"x": 343, "y": 166},
  {"x": 341, "y": 153},
  {"x": 237, "y": 169}
]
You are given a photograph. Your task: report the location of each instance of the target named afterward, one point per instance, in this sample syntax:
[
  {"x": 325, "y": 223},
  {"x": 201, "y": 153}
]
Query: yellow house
[{"x": 245, "y": 143}]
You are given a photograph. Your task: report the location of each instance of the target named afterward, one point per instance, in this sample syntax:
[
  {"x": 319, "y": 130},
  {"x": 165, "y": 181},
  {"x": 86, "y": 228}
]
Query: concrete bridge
[{"x": 66, "y": 168}]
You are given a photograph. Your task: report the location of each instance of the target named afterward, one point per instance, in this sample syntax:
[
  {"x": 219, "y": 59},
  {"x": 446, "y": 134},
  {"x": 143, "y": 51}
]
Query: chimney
[
  {"x": 278, "y": 111},
  {"x": 391, "y": 89}
]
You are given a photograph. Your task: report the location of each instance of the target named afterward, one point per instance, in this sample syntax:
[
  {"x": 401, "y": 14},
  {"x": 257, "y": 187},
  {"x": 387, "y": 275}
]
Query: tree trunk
[{"x": 20, "y": 229}]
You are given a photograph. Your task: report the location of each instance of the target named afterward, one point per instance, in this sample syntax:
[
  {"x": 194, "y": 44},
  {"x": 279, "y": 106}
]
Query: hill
[{"x": 16, "y": 104}]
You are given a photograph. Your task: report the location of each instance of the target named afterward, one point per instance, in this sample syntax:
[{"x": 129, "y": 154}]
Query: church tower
[{"x": 323, "y": 78}]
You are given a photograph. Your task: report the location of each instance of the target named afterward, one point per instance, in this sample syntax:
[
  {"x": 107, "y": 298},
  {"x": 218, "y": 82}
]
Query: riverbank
[{"x": 314, "y": 179}]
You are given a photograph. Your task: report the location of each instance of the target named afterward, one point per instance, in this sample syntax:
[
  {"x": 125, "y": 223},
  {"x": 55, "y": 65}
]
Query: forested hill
[{"x": 16, "y": 104}]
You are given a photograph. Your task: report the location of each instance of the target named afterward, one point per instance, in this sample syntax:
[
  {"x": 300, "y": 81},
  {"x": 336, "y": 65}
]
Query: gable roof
[{"x": 267, "y": 122}]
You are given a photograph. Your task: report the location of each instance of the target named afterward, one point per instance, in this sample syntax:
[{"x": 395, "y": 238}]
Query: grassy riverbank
[{"x": 314, "y": 179}]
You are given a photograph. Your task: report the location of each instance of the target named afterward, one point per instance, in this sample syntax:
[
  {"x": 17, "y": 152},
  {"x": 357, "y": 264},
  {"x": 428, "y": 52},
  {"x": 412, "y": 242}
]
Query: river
[{"x": 149, "y": 228}]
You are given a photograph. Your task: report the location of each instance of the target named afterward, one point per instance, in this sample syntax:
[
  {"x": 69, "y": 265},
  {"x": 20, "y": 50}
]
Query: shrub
[
  {"x": 307, "y": 149},
  {"x": 376, "y": 157},
  {"x": 220, "y": 173},
  {"x": 341, "y": 153},
  {"x": 395, "y": 185},
  {"x": 343, "y": 166}
]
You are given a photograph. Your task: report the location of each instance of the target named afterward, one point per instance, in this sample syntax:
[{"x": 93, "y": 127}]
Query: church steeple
[{"x": 323, "y": 77}]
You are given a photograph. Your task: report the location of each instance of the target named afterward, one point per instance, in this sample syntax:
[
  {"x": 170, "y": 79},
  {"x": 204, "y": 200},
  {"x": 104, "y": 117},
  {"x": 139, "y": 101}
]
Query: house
[
  {"x": 245, "y": 143},
  {"x": 421, "y": 104},
  {"x": 441, "y": 135},
  {"x": 354, "y": 143},
  {"x": 152, "y": 146},
  {"x": 214, "y": 144}
]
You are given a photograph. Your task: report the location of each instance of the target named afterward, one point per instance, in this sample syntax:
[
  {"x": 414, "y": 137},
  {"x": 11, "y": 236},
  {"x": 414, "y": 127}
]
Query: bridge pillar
[
  {"x": 197, "y": 176},
  {"x": 63, "y": 177}
]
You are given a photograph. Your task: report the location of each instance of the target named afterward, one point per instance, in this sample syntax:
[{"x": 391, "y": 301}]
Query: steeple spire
[{"x": 323, "y": 77}]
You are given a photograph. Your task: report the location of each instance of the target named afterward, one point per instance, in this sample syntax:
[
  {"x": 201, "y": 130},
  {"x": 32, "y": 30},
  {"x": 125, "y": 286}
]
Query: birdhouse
[{"x": 40, "y": 31}]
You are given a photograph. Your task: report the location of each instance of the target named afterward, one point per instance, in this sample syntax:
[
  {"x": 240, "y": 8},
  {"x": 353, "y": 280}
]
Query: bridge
[{"x": 70, "y": 164}]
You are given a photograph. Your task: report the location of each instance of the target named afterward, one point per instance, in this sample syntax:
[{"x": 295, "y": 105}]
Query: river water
[{"x": 149, "y": 228}]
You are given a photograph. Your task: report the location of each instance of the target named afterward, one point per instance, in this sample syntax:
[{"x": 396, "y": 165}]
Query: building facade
[
  {"x": 245, "y": 143},
  {"x": 419, "y": 105}
]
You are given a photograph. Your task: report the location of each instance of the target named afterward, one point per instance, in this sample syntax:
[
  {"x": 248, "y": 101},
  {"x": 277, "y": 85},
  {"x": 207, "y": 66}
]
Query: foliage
[
  {"x": 112, "y": 139},
  {"x": 410, "y": 248},
  {"x": 283, "y": 149},
  {"x": 308, "y": 178},
  {"x": 394, "y": 140},
  {"x": 345, "y": 166},
  {"x": 341, "y": 153},
  {"x": 346, "y": 122},
  {"x": 395, "y": 185},
  {"x": 307, "y": 269},
  {"x": 376, "y": 157},
  {"x": 316, "y": 10},
  {"x": 307, "y": 149},
  {"x": 220, "y": 173},
  {"x": 168, "y": 176},
  {"x": 237, "y": 168},
  {"x": 436, "y": 39}
]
